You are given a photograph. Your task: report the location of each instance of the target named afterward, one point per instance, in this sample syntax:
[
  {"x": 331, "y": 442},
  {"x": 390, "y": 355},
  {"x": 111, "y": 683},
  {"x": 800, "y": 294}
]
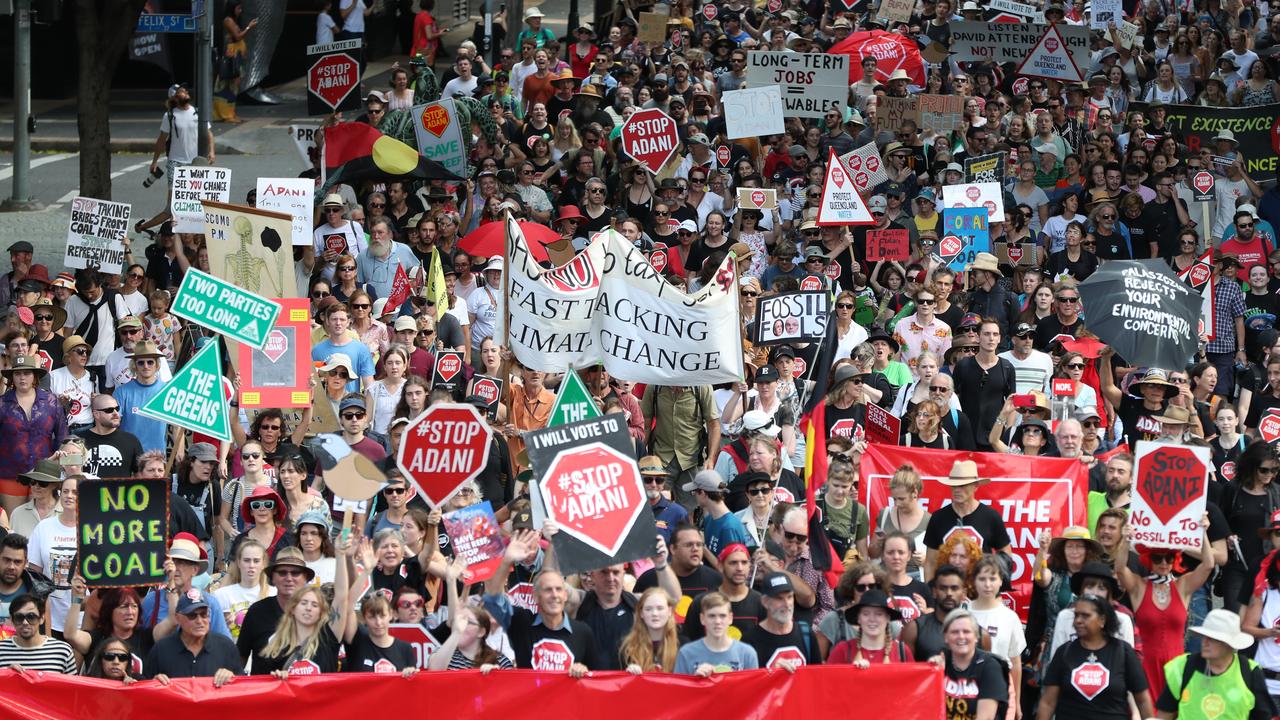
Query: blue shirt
[
  {"x": 132, "y": 396},
  {"x": 217, "y": 622},
  {"x": 381, "y": 272},
  {"x": 668, "y": 516},
  {"x": 359, "y": 353},
  {"x": 722, "y": 532}
]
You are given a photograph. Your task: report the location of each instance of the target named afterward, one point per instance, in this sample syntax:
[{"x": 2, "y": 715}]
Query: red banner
[
  {"x": 904, "y": 692},
  {"x": 1031, "y": 494}
]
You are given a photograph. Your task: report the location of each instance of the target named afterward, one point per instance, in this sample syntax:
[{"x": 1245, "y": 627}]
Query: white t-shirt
[
  {"x": 119, "y": 371},
  {"x": 346, "y": 239},
  {"x": 487, "y": 309},
  {"x": 458, "y": 87},
  {"x": 137, "y": 303},
  {"x": 324, "y": 568},
  {"x": 78, "y": 311},
  {"x": 182, "y": 126},
  {"x": 79, "y": 392},
  {"x": 354, "y": 23},
  {"x": 52, "y": 546},
  {"x": 1056, "y": 228},
  {"x": 324, "y": 28},
  {"x": 235, "y": 601},
  {"x": 1005, "y": 630},
  {"x": 1032, "y": 373}
]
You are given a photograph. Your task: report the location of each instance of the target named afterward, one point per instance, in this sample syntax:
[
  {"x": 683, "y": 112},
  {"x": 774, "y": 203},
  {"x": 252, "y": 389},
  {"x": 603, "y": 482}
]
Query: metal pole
[
  {"x": 21, "y": 198},
  {"x": 204, "y": 78}
]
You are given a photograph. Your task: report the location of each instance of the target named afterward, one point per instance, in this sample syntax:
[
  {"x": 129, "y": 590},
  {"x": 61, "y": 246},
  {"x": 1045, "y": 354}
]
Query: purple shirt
[{"x": 27, "y": 440}]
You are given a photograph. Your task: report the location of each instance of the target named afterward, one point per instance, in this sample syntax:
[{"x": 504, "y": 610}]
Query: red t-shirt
[
  {"x": 1251, "y": 252},
  {"x": 845, "y": 650}
]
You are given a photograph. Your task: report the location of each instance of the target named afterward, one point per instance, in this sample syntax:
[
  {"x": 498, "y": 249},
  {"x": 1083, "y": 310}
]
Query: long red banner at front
[{"x": 902, "y": 692}]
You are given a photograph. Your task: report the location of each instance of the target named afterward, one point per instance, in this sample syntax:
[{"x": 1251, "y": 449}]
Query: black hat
[
  {"x": 1098, "y": 570},
  {"x": 873, "y": 598},
  {"x": 1024, "y": 329},
  {"x": 886, "y": 337},
  {"x": 781, "y": 351},
  {"x": 767, "y": 374},
  {"x": 742, "y": 481},
  {"x": 777, "y": 583}
]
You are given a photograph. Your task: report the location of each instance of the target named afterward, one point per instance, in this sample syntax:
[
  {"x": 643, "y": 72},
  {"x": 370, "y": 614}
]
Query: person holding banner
[{"x": 1161, "y": 601}]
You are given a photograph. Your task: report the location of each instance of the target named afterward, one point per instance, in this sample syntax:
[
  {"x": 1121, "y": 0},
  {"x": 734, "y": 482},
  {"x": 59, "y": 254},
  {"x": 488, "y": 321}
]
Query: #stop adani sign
[
  {"x": 649, "y": 137},
  {"x": 333, "y": 79},
  {"x": 1169, "y": 490},
  {"x": 443, "y": 448}
]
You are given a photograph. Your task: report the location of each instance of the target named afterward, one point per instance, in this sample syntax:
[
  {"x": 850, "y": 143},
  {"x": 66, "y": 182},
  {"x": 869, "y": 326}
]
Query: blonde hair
[
  {"x": 288, "y": 636},
  {"x": 637, "y": 648},
  {"x": 233, "y": 572},
  {"x": 906, "y": 478}
]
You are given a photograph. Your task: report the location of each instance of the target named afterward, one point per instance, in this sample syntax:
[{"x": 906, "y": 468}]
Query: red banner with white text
[
  {"x": 1031, "y": 494},
  {"x": 902, "y": 692}
]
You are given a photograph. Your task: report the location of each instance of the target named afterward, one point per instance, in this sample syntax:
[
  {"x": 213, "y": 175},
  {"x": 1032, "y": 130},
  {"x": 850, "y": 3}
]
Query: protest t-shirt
[
  {"x": 739, "y": 656},
  {"x": 903, "y": 598},
  {"x": 771, "y": 648},
  {"x": 702, "y": 579},
  {"x": 365, "y": 656},
  {"x": 983, "y": 523},
  {"x": 1139, "y": 422},
  {"x": 52, "y": 546},
  {"x": 114, "y": 455},
  {"x": 235, "y": 601},
  {"x": 1095, "y": 683},
  {"x": 324, "y": 660},
  {"x": 981, "y": 680}
]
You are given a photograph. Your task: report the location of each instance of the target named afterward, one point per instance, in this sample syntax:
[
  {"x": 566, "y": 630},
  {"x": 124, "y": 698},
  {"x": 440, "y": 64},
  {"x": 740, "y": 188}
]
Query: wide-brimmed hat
[
  {"x": 873, "y": 598},
  {"x": 569, "y": 212},
  {"x": 1173, "y": 415},
  {"x": 846, "y": 372},
  {"x": 262, "y": 492},
  {"x": 899, "y": 74},
  {"x": 47, "y": 470},
  {"x": 1224, "y": 626},
  {"x": 145, "y": 349},
  {"x": 59, "y": 315},
  {"x": 65, "y": 280},
  {"x": 886, "y": 338},
  {"x": 1073, "y": 532},
  {"x": 338, "y": 360},
  {"x": 986, "y": 261},
  {"x": 290, "y": 557},
  {"x": 1029, "y": 422},
  {"x": 333, "y": 200},
  {"x": 565, "y": 74},
  {"x": 964, "y": 472},
  {"x": 1096, "y": 569},
  {"x": 26, "y": 362},
  {"x": 72, "y": 343},
  {"x": 185, "y": 546},
  {"x": 533, "y": 12},
  {"x": 1155, "y": 376},
  {"x": 1226, "y": 136}
]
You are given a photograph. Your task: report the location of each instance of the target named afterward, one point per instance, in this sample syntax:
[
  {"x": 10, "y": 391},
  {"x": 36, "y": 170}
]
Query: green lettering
[
  {"x": 115, "y": 532},
  {"x": 91, "y": 534},
  {"x": 155, "y": 531},
  {"x": 89, "y": 568}
]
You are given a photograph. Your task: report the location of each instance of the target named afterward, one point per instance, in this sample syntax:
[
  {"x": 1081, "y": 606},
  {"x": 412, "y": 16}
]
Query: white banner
[
  {"x": 752, "y": 112},
  {"x": 291, "y": 196},
  {"x": 811, "y": 83},
  {"x": 191, "y": 184},
  {"x": 1170, "y": 487},
  {"x": 608, "y": 305},
  {"x": 865, "y": 167},
  {"x": 972, "y": 195},
  {"x": 974, "y": 41},
  {"x": 96, "y": 234}
]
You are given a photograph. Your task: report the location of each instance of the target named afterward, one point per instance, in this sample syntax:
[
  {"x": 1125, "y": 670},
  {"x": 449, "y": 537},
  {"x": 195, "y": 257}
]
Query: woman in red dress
[{"x": 1161, "y": 600}]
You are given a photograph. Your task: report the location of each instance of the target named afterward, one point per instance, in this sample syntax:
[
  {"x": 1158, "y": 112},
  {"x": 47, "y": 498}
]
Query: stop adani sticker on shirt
[{"x": 551, "y": 654}]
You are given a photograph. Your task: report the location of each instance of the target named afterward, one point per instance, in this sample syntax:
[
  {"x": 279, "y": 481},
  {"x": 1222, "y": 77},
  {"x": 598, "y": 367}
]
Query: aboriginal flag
[{"x": 355, "y": 151}]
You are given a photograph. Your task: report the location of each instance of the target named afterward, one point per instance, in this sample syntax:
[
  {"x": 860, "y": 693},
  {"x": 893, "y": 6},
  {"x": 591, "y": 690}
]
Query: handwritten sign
[
  {"x": 122, "y": 532},
  {"x": 1170, "y": 484},
  {"x": 941, "y": 113},
  {"x": 191, "y": 184},
  {"x": 293, "y": 197},
  {"x": 894, "y": 244},
  {"x": 752, "y": 112},
  {"x": 96, "y": 234},
  {"x": 891, "y": 112}
]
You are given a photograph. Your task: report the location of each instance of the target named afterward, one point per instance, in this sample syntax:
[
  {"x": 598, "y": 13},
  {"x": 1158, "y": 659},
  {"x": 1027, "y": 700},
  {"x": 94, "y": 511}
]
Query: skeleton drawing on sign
[{"x": 246, "y": 269}]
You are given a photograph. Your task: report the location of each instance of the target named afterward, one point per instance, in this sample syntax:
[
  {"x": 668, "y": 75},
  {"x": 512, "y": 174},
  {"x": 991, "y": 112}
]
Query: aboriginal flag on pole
[
  {"x": 814, "y": 424},
  {"x": 355, "y": 151}
]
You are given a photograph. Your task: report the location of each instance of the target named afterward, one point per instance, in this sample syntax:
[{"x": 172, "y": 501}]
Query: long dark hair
[
  {"x": 1249, "y": 462},
  {"x": 93, "y": 668},
  {"x": 1102, "y": 606}
]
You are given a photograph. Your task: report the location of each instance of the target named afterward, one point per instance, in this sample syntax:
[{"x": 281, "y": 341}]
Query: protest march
[{"x": 700, "y": 358}]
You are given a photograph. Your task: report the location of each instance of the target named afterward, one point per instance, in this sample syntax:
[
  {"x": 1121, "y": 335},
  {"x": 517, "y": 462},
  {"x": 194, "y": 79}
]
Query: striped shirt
[
  {"x": 462, "y": 662},
  {"x": 52, "y": 656}
]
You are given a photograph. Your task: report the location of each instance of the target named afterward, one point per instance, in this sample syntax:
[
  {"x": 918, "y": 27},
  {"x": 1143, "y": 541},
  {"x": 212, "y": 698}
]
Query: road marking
[
  {"x": 122, "y": 171},
  {"x": 7, "y": 173}
]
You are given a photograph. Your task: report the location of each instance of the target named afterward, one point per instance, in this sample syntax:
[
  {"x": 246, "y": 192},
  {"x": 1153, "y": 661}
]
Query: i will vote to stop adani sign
[{"x": 122, "y": 531}]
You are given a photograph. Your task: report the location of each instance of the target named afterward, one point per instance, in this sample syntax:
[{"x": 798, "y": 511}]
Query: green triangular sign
[
  {"x": 193, "y": 398},
  {"x": 573, "y": 402}
]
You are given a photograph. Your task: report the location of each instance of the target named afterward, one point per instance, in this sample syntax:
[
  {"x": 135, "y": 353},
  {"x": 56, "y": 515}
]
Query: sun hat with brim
[
  {"x": 1030, "y": 422},
  {"x": 145, "y": 349},
  {"x": 846, "y": 372},
  {"x": 871, "y": 599},
  {"x": 333, "y": 200},
  {"x": 47, "y": 470},
  {"x": 64, "y": 280},
  {"x": 963, "y": 472},
  {"x": 652, "y": 465},
  {"x": 73, "y": 342},
  {"x": 1226, "y": 136},
  {"x": 1155, "y": 376},
  {"x": 289, "y": 557},
  {"x": 185, "y": 546},
  {"x": 887, "y": 339},
  {"x": 1224, "y": 626},
  {"x": 988, "y": 262},
  {"x": 1073, "y": 532},
  {"x": 59, "y": 315},
  {"x": 338, "y": 360},
  {"x": 262, "y": 492},
  {"x": 1173, "y": 415},
  {"x": 1095, "y": 569},
  {"x": 26, "y": 362}
]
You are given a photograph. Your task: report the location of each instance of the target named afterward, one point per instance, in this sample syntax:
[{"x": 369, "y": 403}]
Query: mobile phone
[
  {"x": 73, "y": 459},
  {"x": 1024, "y": 401}
]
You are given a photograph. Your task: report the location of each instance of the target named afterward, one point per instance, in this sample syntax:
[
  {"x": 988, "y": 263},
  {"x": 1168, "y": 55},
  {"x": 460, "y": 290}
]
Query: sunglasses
[
  {"x": 24, "y": 618},
  {"x": 406, "y": 604},
  {"x": 926, "y": 301},
  {"x": 937, "y": 389},
  {"x": 844, "y": 306},
  {"x": 1091, "y": 424},
  {"x": 352, "y": 416},
  {"x": 361, "y": 306},
  {"x": 262, "y": 504},
  {"x": 269, "y": 427},
  {"x": 395, "y": 491},
  {"x": 795, "y": 537},
  {"x": 110, "y": 410},
  {"x": 117, "y": 657},
  {"x": 250, "y": 456},
  {"x": 80, "y": 351},
  {"x": 749, "y": 293},
  {"x": 757, "y": 492},
  {"x": 289, "y": 572},
  {"x": 319, "y": 294},
  {"x": 863, "y": 587},
  {"x": 345, "y": 268},
  {"x": 1067, "y": 300},
  {"x": 1075, "y": 366},
  {"x": 1108, "y": 216},
  {"x": 44, "y": 318}
]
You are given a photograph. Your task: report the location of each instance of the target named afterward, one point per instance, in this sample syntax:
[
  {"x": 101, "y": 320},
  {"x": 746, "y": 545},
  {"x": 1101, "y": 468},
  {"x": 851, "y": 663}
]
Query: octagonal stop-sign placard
[
  {"x": 333, "y": 78},
  {"x": 588, "y": 482},
  {"x": 443, "y": 448},
  {"x": 649, "y": 136},
  {"x": 1169, "y": 486}
]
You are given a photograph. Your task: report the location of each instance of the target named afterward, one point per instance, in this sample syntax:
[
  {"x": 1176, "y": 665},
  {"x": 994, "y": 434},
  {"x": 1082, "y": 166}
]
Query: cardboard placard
[
  {"x": 753, "y": 112},
  {"x": 279, "y": 374},
  {"x": 1170, "y": 485},
  {"x": 294, "y": 197},
  {"x": 122, "y": 532},
  {"x": 96, "y": 234},
  {"x": 896, "y": 10},
  {"x": 757, "y": 198},
  {"x": 894, "y": 244},
  {"x": 792, "y": 317},
  {"x": 653, "y": 28},
  {"x": 883, "y": 427},
  {"x": 191, "y": 185},
  {"x": 447, "y": 373},
  {"x": 891, "y": 112},
  {"x": 1104, "y": 12},
  {"x": 474, "y": 533},
  {"x": 1128, "y": 33},
  {"x": 941, "y": 113},
  {"x": 993, "y": 42},
  {"x": 811, "y": 84},
  {"x": 965, "y": 233}
]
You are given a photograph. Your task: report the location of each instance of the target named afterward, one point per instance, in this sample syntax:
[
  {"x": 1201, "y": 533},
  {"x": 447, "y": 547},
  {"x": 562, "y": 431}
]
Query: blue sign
[
  {"x": 152, "y": 23},
  {"x": 969, "y": 226}
]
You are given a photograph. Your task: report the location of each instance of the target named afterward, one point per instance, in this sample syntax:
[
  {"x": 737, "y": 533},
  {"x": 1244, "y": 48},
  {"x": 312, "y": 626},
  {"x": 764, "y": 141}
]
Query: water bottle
[{"x": 152, "y": 177}]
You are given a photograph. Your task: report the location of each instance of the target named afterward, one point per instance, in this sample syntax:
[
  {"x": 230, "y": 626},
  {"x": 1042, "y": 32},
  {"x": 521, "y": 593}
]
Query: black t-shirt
[
  {"x": 259, "y": 623},
  {"x": 1085, "y": 691},
  {"x": 609, "y": 625},
  {"x": 1257, "y": 305},
  {"x": 982, "y": 393},
  {"x": 1139, "y": 422},
  {"x": 747, "y": 613},
  {"x": 984, "y": 522},
  {"x": 1263, "y": 400},
  {"x": 325, "y": 659},
  {"x": 1060, "y": 263},
  {"x": 983, "y": 679},
  {"x": 1050, "y": 327},
  {"x": 847, "y": 422},
  {"x": 701, "y": 580},
  {"x": 1145, "y": 229},
  {"x": 771, "y": 648},
  {"x": 364, "y": 656},
  {"x": 409, "y": 573},
  {"x": 904, "y": 599},
  {"x": 1113, "y": 246},
  {"x": 111, "y": 456},
  {"x": 538, "y": 647},
  {"x": 701, "y": 251}
]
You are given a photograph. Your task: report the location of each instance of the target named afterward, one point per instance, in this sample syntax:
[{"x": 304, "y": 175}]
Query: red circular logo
[{"x": 973, "y": 193}]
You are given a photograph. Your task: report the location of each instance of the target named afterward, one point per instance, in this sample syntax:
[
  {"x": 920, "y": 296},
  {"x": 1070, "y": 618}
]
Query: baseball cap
[
  {"x": 776, "y": 584},
  {"x": 878, "y": 203},
  {"x": 971, "y": 320},
  {"x": 767, "y": 374},
  {"x": 404, "y": 322},
  {"x": 351, "y": 400},
  {"x": 759, "y": 421},
  {"x": 1024, "y": 329},
  {"x": 191, "y": 602},
  {"x": 708, "y": 480}
]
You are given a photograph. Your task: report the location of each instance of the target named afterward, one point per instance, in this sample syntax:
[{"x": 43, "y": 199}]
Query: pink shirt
[{"x": 916, "y": 338}]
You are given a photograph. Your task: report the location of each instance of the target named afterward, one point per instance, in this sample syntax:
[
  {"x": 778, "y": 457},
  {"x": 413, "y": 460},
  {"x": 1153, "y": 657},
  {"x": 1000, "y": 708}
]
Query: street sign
[
  {"x": 423, "y": 642},
  {"x": 573, "y": 402},
  {"x": 224, "y": 308},
  {"x": 1202, "y": 183},
  {"x": 193, "y": 398},
  {"x": 649, "y": 136},
  {"x": 333, "y": 80},
  {"x": 595, "y": 495},
  {"x": 443, "y": 448},
  {"x": 156, "y": 23}
]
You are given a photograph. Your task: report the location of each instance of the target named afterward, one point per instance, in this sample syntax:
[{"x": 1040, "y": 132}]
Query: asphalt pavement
[{"x": 260, "y": 147}]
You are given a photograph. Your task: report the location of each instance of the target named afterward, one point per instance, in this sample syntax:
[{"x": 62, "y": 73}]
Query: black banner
[
  {"x": 985, "y": 168},
  {"x": 122, "y": 532},
  {"x": 1257, "y": 129}
]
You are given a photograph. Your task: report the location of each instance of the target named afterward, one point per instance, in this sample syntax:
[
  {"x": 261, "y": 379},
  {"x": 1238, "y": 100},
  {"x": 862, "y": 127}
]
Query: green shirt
[
  {"x": 1099, "y": 504},
  {"x": 681, "y": 416},
  {"x": 1232, "y": 695}
]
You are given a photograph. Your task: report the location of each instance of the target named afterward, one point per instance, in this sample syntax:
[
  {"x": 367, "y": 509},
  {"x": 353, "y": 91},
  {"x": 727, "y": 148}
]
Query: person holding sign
[{"x": 1162, "y": 599}]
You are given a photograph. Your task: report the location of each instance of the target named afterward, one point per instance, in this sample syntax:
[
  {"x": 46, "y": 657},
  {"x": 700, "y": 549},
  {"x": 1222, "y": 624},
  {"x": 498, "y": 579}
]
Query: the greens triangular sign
[
  {"x": 573, "y": 402},
  {"x": 193, "y": 399}
]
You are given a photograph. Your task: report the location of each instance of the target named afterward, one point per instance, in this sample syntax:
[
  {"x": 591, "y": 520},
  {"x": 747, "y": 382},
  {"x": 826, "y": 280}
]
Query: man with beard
[
  {"x": 1119, "y": 483},
  {"x": 378, "y": 263},
  {"x": 178, "y": 142},
  {"x": 948, "y": 594},
  {"x": 778, "y": 640},
  {"x": 746, "y": 607},
  {"x": 667, "y": 515},
  {"x": 16, "y": 578},
  {"x": 694, "y": 577}
]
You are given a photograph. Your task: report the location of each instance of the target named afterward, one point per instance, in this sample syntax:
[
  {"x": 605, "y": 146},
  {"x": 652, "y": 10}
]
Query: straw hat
[{"x": 986, "y": 261}]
